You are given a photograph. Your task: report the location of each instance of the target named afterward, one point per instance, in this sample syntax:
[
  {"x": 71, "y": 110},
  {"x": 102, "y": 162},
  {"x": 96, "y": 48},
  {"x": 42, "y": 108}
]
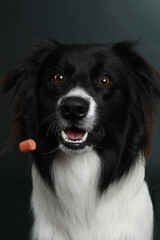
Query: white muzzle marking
[{"x": 89, "y": 120}]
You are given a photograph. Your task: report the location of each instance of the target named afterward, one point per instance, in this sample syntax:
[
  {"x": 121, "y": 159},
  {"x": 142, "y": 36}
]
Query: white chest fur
[{"x": 124, "y": 212}]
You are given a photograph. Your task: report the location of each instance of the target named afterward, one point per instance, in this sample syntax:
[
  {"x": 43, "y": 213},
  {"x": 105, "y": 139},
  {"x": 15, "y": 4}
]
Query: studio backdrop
[{"x": 103, "y": 21}]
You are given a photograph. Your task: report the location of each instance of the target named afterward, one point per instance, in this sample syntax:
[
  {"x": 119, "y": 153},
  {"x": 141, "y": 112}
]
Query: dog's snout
[{"x": 74, "y": 108}]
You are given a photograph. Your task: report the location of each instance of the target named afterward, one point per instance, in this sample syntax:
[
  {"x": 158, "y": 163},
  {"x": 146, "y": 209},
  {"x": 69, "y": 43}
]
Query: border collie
[{"x": 90, "y": 108}]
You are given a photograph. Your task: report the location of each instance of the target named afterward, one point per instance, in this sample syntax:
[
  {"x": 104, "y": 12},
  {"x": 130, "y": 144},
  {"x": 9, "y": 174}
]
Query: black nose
[{"x": 74, "y": 108}]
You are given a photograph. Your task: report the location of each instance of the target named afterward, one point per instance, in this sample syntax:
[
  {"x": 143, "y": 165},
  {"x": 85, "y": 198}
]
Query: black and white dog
[{"x": 90, "y": 108}]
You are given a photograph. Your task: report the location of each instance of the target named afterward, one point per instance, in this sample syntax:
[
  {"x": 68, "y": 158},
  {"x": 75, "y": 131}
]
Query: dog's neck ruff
[{"x": 77, "y": 212}]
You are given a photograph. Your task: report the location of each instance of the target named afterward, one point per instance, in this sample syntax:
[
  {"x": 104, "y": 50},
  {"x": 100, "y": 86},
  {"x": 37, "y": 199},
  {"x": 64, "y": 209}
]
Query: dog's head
[{"x": 72, "y": 97}]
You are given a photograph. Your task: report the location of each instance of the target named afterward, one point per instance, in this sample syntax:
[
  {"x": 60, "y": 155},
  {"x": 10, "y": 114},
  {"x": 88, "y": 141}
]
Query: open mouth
[{"x": 74, "y": 138}]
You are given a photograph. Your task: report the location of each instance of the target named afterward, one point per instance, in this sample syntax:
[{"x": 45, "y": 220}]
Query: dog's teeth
[
  {"x": 64, "y": 136},
  {"x": 73, "y": 141},
  {"x": 85, "y": 136}
]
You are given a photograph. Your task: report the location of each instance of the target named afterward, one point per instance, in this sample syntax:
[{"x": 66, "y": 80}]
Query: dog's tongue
[{"x": 74, "y": 134}]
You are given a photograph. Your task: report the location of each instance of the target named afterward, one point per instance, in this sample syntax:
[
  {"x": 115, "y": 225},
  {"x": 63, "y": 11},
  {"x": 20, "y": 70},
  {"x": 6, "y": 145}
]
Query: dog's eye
[
  {"x": 104, "y": 81},
  {"x": 58, "y": 78}
]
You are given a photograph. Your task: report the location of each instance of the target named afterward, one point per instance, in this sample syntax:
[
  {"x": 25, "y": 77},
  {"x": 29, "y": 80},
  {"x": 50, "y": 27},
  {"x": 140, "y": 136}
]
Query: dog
[{"x": 90, "y": 108}]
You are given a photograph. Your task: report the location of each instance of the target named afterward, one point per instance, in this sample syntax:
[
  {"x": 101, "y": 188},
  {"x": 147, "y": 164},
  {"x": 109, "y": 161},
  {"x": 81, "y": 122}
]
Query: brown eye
[
  {"x": 104, "y": 81},
  {"x": 58, "y": 78}
]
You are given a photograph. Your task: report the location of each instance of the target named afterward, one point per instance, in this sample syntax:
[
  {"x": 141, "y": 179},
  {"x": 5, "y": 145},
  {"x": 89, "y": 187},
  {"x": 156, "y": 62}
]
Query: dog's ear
[
  {"x": 22, "y": 79},
  {"x": 144, "y": 87},
  {"x": 147, "y": 75},
  {"x": 21, "y": 75},
  {"x": 145, "y": 79}
]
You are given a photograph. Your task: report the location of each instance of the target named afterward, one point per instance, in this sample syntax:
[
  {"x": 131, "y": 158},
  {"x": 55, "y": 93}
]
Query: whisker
[
  {"x": 56, "y": 129},
  {"x": 96, "y": 146},
  {"x": 50, "y": 126},
  {"x": 103, "y": 133},
  {"x": 50, "y": 151},
  {"x": 44, "y": 120}
]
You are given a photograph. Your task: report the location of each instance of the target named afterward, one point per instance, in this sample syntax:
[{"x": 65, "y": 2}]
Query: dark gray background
[{"x": 83, "y": 21}]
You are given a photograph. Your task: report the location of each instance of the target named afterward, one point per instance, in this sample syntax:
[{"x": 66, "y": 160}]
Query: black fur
[{"x": 126, "y": 108}]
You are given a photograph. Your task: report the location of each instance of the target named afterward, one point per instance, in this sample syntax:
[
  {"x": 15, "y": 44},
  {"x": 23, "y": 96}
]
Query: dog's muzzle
[
  {"x": 73, "y": 110},
  {"x": 76, "y": 120}
]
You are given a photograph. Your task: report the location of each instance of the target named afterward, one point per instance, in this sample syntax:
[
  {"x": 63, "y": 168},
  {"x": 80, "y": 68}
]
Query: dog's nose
[{"x": 74, "y": 108}]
